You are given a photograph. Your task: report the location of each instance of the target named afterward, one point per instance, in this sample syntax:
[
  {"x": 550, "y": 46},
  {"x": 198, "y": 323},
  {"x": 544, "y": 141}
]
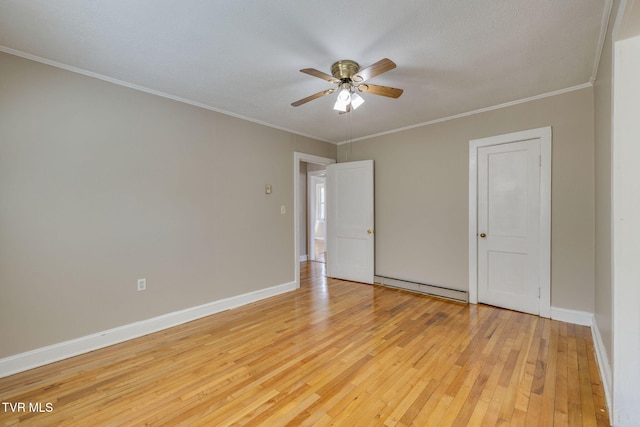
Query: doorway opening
[
  {"x": 302, "y": 164},
  {"x": 317, "y": 215}
]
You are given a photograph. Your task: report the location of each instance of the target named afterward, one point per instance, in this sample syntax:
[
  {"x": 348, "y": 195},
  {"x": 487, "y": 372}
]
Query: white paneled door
[
  {"x": 350, "y": 238},
  {"x": 508, "y": 225}
]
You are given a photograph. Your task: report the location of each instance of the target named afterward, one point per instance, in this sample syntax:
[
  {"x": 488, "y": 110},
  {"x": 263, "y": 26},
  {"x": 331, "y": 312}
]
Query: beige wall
[
  {"x": 421, "y": 190},
  {"x": 602, "y": 123},
  {"x": 101, "y": 185}
]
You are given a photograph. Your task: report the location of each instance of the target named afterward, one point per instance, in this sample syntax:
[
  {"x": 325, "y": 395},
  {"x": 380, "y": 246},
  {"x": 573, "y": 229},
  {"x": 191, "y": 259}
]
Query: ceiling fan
[{"x": 349, "y": 80}]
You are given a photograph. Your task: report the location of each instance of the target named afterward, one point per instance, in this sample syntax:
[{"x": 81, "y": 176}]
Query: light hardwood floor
[{"x": 330, "y": 353}]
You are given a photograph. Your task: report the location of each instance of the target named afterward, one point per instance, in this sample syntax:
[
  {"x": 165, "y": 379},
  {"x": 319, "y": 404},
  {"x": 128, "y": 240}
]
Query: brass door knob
[
  {"x": 483, "y": 235},
  {"x": 369, "y": 231}
]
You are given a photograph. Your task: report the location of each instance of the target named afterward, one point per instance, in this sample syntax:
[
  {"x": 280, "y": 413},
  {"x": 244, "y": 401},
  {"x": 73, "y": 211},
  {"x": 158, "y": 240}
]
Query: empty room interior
[{"x": 280, "y": 213}]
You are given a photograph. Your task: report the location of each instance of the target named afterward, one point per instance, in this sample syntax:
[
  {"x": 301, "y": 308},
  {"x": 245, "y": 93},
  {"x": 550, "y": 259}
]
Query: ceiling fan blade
[
  {"x": 316, "y": 73},
  {"x": 312, "y": 97},
  {"x": 391, "y": 92},
  {"x": 373, "y": 70}
]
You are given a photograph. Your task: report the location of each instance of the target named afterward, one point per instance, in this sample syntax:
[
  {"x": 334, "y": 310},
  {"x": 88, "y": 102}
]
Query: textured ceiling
[{"x": 243, "y": 57}]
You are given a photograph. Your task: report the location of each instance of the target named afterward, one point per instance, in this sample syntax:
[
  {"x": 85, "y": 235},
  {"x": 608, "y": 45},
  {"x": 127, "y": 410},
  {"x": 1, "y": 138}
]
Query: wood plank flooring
[{"x": 331, "y": 353}]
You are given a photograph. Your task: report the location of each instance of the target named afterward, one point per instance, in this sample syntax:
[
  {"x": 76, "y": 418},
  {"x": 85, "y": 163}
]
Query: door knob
[
  {"x": 369, "y": 231},
  {"x": 483, "y": 235}
]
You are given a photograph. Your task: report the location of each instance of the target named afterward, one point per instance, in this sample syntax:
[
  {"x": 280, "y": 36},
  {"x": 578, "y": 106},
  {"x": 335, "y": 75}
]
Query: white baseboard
[
  {"x": 53, "y": 353},
  {"x": 604, "y": 365},
  {"x": 572, "y": 316},
  {"x": 304, "y": 258}
]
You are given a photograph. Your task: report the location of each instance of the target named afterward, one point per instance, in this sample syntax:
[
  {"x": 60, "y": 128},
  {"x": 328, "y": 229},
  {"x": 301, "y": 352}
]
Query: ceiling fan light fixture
[
  {"x": 338, "y": 106},
  {"x": 356, "y": 100},
  {"x": 343, "y": 100}
]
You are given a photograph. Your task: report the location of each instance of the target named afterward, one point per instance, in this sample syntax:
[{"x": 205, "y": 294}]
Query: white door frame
[
  {"x": 625, "y": 224},
  {"x": 297, "y": 158},
  {"x": 544, "y": 134}
]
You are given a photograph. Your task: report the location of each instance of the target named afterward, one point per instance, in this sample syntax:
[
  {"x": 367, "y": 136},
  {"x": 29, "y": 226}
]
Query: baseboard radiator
[{"x": 436, "y": 291}]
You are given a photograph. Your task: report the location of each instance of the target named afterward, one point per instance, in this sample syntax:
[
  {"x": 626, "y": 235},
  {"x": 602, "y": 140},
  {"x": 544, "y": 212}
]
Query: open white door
[{"x": 350, "y": 242}]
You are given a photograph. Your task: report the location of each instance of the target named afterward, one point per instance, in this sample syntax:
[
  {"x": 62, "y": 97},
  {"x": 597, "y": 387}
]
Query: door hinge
[{"x": 539, "y": 296}]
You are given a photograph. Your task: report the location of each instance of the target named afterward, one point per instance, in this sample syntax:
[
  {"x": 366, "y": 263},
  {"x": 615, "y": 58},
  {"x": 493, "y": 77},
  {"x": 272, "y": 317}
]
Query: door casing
[
  {"x": 297, "y": 158},
  {"x": 544, "y": 274}
]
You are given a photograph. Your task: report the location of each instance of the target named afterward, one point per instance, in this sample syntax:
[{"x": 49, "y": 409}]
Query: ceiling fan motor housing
[{"x": 345, "y": 69}]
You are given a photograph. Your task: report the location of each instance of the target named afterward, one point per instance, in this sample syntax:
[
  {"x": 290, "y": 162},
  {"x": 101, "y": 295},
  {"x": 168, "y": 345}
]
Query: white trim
[
  {"x": 544, "y": 134},
  {"x": 473, "y": 224},
  {"x": 297, "y": 158},
  {"x": 545, "y": 221},
  {"x": 576, "y": 317},
  {"x": 152, "y": 91},
  {"x": 239, "y": 116},
  {"x": 304, "y": 258},
  {"x": 603, "y": 365},
  {"x": 625, "y": 231},
  {"x": 53, "y": 353},
  {"x": 473, "y": 112}
]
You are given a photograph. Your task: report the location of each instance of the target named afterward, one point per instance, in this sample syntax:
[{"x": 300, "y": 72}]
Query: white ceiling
[{"x": 242, "y": 57}]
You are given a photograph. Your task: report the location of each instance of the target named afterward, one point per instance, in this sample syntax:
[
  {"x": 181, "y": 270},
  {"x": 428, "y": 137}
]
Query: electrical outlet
[
  {"x": 283, "y": 210},
  {"x": 142, "y": 284}
]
